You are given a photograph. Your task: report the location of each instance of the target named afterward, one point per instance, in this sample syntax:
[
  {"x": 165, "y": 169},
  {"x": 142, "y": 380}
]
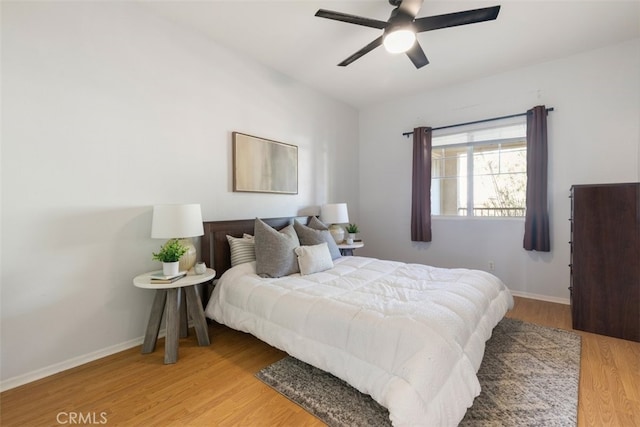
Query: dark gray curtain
[
  {"x": 421, "y": 186},
  {"x": 536, "y": 223}
]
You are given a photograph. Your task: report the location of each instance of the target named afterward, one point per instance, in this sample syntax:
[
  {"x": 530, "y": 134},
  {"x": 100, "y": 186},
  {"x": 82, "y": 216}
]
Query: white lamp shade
[
  {"x": 335, "y": 213},
  {"x": 176, "y": 221}
]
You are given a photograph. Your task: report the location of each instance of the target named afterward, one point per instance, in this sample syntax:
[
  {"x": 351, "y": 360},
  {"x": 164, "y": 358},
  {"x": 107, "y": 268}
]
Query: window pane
[
  {"x": 449, "y": 162},
  {"x": 449, "y": 181},
  {"x": 499, "y": 195},
  {"x": 448, "y": 196},
  {"x": 486, "y": 160},
  {"x": 499, "y": 181},
  {"x": 437, "y": 167},
  {"x": 513, "y": 160}
]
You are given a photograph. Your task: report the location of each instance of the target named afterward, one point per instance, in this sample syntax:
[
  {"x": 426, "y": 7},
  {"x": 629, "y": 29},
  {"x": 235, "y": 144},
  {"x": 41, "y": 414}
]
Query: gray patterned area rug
[{"x": 529, "y": 377}]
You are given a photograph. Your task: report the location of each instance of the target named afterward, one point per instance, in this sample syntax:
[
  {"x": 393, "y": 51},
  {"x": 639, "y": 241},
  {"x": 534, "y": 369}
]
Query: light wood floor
[{"x": 215, "y": 385}]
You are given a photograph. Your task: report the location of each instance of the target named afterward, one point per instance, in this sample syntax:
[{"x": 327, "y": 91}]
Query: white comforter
[{"x": 409, "y": 335}]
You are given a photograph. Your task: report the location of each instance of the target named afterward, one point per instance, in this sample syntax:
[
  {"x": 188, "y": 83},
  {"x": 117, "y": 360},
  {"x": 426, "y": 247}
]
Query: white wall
[
  {"x": 107, "y": 110},
  {"x": 594, "y": 135}
]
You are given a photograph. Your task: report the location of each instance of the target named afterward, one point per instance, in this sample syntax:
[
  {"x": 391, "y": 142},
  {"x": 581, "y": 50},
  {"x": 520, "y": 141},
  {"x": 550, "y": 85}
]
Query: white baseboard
[
  {"x": 565, "y": 301},
  {"x": 67, "y": 364},
  {"x": 76, "y": 361}
]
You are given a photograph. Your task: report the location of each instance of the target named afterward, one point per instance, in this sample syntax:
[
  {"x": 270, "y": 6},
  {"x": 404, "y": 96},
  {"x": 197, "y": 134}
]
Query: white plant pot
[
  {"x": 350, "y": 238},
  {"x": 170, "y": 268}
]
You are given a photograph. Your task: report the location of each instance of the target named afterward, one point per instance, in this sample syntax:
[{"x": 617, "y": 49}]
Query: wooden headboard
[{"x": 214, "y": 247}]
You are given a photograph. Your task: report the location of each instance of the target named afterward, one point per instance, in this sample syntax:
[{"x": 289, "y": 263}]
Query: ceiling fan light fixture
[
  {"x": 399, "y": 31},
  {"x": 399, "y": 41}
]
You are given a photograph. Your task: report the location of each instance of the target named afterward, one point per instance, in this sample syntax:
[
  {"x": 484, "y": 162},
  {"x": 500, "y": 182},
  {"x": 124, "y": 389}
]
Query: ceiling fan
[{"x": 399, "y": 32}]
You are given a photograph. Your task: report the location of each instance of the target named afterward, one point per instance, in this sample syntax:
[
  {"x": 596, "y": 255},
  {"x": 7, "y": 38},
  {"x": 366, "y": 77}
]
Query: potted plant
[
  {"x": 169, "y": 255},
  {"x": 352, "y": 229}
]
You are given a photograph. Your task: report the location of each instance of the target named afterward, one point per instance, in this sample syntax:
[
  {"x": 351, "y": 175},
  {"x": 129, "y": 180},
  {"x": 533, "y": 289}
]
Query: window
[{"x": 480, "y": 172}]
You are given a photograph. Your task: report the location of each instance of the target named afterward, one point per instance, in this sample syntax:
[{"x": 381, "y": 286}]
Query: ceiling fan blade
[
  {"x": 410, "y": 7},
  {"x": 351, "y": 19},
  {"x": 429, "y": 23},
  {"x": 368, "y": 48},
  {"x": 417, "y": 56}
]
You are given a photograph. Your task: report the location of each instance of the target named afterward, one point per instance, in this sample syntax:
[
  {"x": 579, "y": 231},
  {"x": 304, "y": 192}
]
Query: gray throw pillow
[
  {"x": 316, "y": 224},
  {"x": 316, "y": 233},
  {"x": 275, "y": 250}
]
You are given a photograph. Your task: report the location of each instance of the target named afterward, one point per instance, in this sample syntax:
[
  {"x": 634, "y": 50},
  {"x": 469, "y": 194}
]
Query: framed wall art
[{"x": 264, "y": 166}]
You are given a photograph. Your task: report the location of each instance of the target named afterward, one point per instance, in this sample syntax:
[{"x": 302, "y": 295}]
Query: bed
[{"x": 411, "y": 336}]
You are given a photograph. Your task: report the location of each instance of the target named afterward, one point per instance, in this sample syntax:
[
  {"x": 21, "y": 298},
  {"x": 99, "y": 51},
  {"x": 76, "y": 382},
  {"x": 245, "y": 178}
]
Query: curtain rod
[{"x": 477, "y": 121}]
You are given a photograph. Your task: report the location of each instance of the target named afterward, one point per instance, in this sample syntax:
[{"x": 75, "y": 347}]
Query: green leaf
[{"x": 170, "y": 252}]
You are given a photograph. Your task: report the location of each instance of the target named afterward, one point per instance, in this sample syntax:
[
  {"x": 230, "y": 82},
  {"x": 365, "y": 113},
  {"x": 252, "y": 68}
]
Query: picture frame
[{"x": 264, "y": 166}]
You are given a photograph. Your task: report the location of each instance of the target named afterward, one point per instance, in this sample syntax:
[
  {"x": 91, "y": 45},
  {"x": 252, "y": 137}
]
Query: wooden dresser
[{"x": 605, "y": 259}]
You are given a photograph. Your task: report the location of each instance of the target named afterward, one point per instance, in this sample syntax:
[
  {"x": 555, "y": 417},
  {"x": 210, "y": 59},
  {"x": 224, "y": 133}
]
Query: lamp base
[
  {"x": 337, "y": 232},
  {"x": 188, "y": 260}
]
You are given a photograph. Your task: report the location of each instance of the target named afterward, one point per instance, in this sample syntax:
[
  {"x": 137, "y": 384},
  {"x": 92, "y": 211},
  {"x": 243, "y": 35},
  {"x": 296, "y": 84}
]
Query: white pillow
[
  {"x": 313, "y": 259},
  {"x": 242, "y": 249}
]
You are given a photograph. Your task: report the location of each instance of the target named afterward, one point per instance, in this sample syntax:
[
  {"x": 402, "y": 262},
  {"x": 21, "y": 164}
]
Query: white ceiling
[{"x": 286, "y": 36}]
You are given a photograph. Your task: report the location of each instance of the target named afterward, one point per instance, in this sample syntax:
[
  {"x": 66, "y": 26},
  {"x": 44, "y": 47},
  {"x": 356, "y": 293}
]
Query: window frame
[{"x": 470, "y": 177}]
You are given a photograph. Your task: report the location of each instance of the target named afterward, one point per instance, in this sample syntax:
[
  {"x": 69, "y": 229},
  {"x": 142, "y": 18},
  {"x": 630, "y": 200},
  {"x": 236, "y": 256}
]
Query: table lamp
[
  {"x": 335, "y": 214},
  {"x": 179, "y": 222}
]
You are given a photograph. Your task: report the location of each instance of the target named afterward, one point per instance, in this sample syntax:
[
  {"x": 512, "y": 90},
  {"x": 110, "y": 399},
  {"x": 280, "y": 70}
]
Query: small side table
[
  {"x": 347, "y": 250},
  {"x": 171, "y": 296}
]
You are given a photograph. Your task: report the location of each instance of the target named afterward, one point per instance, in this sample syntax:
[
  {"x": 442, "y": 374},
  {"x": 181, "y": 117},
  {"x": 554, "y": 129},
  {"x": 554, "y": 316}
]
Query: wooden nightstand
[
  {"x": 172, "y": 295},
  {"x": 347, "y": 250}
]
